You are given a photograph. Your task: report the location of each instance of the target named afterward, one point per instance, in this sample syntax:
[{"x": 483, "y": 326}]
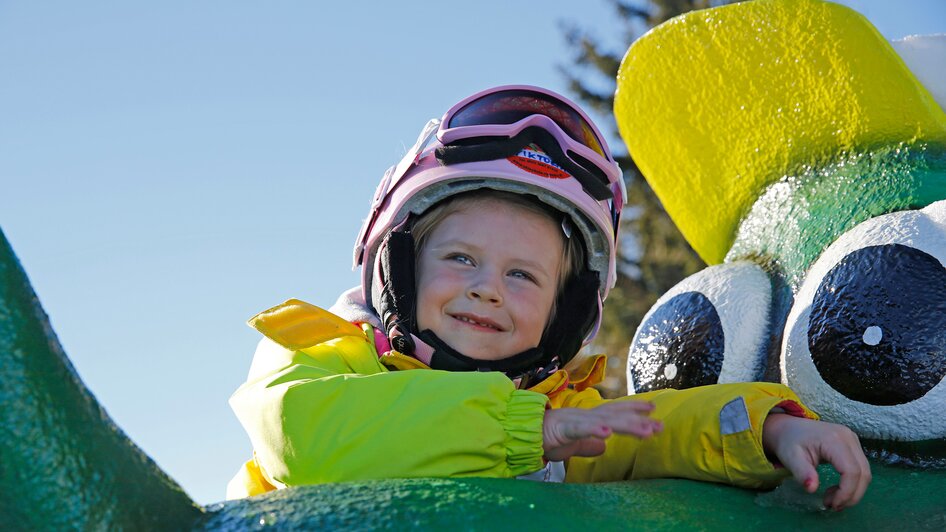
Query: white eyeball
[
  {"x": 865, "y": 342},
  {"x": 710, "y": 328}
]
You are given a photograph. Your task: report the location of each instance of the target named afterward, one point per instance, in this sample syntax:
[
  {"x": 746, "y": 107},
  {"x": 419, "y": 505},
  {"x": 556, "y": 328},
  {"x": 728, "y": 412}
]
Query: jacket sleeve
[
  {"x": 711, "y": 433},
  {"x": 332, "y": 413}
]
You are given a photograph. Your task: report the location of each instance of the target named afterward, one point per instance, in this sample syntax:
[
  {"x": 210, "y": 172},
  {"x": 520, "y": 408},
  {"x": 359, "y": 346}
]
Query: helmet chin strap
[
  {"x": 576, "y": 311},
  {"x": 448, "y": 358}
]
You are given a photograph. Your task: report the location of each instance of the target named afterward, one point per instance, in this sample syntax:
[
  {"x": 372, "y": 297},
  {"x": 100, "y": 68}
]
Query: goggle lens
[{"x": 510, "y": 106}]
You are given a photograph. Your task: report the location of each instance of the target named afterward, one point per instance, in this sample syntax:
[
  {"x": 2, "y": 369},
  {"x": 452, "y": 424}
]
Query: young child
[{"x": 485, "y": 258}]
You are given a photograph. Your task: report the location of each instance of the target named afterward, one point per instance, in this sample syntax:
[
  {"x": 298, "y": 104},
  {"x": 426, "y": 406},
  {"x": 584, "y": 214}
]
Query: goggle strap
[
  {"x": 485, "y": 151},
  {"x": 497, "y": 148}
]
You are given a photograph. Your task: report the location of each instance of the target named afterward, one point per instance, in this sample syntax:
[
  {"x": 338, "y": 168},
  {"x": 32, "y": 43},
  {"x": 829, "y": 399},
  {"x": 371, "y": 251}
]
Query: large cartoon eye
[
  {"x": 711, "y": 327},
  {"x": 865, "y": 342}
]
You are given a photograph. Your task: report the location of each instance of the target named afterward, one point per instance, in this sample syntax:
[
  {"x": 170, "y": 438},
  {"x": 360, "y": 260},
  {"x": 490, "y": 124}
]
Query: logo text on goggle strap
[{"x": 533, "y": 160}]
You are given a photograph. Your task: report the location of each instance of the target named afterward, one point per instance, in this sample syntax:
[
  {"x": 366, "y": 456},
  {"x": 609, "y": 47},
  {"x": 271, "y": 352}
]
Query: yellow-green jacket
[{"x": 321, "y": 405}]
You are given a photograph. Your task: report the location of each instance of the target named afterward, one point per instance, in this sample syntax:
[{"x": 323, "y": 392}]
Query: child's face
[{"x": 487, "y": 279}]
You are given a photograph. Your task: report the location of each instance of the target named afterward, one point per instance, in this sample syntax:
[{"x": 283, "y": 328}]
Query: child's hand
[
  {"x": 568, "y": 432},
  {"x": 801, "y": 444}
]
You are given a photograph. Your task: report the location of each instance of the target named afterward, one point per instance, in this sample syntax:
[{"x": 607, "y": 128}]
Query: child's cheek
[
  {"x": 448, "y": 276},
  {"x": 442, "y": 281},
  {"x": 529, "y": 300}
]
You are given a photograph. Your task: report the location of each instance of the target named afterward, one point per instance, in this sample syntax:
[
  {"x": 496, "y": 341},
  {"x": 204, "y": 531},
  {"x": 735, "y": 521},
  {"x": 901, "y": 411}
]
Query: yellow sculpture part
[{"x": 718, "y": 104}]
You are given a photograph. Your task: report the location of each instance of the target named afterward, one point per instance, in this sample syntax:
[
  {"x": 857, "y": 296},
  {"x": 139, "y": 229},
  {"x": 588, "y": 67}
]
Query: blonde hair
[{"x": 573, "y": 254}]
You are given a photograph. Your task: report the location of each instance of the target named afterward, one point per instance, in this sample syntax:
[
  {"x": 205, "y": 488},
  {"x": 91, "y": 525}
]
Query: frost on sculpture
[{"x": 811, "y": 175}]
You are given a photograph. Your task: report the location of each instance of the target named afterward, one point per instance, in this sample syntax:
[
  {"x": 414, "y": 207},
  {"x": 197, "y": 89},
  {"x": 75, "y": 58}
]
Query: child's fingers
[
  {"x": 636, "y": 421},
  {"x": 627, "y": 419},
  {"x": 855, "y": 473},
  {"x": 639, "y": 426},
  {"x": 865, "y": 476},
  {"x": 629, "y": 406},
  {"x": 803, "y": 470},
  {"x": 585, "y": 447},
  {"x": 565, "y": 428},
  {"x": 581, "y": 426},
  {"x": 590, "y": 447},
  {"x": 570, "y": 431},
  {"x": 582, "y": 432}
]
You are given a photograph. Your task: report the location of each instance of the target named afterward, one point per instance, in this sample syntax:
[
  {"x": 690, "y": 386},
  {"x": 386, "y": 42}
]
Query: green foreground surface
[{"x": 897, "y": 499}]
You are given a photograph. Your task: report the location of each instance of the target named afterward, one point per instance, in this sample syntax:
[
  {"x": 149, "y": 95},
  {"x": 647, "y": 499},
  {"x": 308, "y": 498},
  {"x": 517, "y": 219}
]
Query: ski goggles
[{"x": 505, "y": 112}]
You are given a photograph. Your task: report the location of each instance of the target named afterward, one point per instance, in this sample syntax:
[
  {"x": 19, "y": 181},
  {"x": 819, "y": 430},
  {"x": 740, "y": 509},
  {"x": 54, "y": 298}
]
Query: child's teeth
[{"x": 468, "y": 320}]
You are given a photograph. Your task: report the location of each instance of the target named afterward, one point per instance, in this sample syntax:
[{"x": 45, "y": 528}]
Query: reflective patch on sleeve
[{"x": 734, "y": 417}]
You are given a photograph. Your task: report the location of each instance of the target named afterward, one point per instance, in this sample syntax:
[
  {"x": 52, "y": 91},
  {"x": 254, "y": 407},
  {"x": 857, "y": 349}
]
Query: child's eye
[
  {"x": 459, "y": 257},
  {"x": 521, "y": 274}
]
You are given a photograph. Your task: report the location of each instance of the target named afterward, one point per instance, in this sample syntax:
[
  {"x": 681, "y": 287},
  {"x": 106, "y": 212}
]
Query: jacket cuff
[
  {"x": 746, "y": 462},
  {"x": 523, "y": 425}
]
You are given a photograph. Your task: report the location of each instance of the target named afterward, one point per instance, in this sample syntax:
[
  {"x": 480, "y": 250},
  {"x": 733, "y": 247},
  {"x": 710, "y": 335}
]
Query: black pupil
[
  {"x": 876, "y": 329},
  {"x": 679, "y": 346}
]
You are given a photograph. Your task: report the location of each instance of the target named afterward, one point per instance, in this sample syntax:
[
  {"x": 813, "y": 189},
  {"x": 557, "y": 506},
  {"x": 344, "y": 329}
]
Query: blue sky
[{"x": 169, "y": 169}]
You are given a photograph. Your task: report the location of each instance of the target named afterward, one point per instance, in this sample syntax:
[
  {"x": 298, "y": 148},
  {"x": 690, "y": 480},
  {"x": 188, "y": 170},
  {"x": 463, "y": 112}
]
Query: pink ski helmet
[{"x": 572, "y": 172}]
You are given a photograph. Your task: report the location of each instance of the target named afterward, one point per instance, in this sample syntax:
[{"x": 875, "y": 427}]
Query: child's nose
[{"x": 485, "y": 287}]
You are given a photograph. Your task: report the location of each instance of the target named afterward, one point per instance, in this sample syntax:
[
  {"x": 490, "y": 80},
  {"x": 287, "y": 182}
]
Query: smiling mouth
[{"x": 478, "y": 323}]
